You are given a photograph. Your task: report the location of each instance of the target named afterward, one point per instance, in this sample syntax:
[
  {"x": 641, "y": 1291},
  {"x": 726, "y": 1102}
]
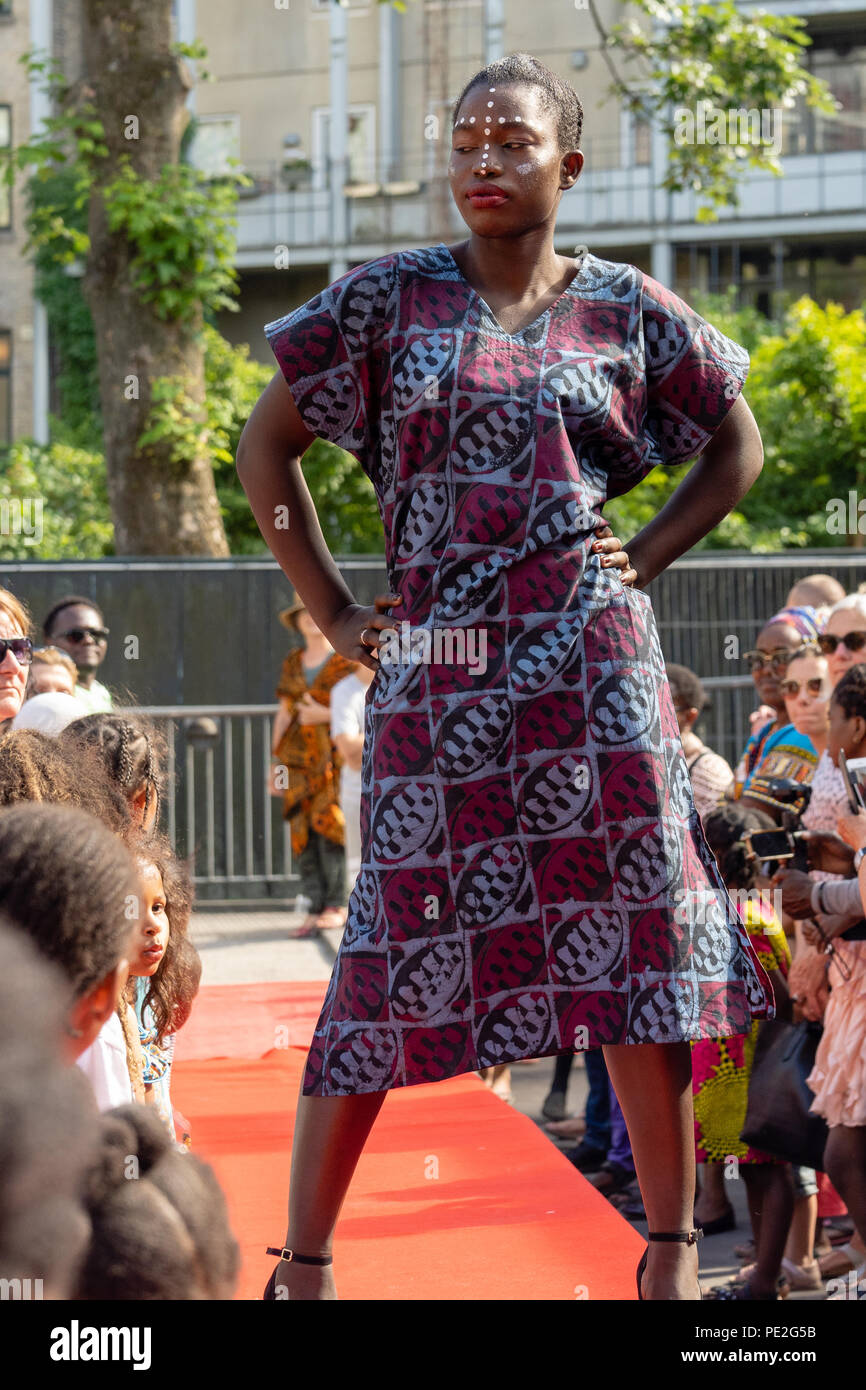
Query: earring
[{"x": 74, "y": 1032}]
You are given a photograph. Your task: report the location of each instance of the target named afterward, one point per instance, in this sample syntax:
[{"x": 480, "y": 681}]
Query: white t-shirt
[
  {"x": 348, "y": 698},
  {"x": 104, "y": 1064}
]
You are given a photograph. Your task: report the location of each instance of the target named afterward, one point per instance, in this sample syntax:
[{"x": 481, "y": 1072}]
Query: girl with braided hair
[{"x": 133, "y": 753}]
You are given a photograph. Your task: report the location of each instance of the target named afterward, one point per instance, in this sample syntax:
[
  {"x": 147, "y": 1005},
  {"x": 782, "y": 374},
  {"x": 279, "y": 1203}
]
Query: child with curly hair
[{"x": 164, "y": 969}]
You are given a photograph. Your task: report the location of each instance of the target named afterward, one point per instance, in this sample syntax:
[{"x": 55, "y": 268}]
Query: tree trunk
[{"x": 159, "y": 506}]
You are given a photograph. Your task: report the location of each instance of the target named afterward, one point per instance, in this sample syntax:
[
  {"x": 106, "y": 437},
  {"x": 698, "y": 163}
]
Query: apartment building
[
  {"x": 323, "y": 203},
  {"x": 340, "y": 115}
]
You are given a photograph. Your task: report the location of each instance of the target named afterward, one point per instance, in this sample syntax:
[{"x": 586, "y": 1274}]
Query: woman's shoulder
[{"x": 602, "y": 278}]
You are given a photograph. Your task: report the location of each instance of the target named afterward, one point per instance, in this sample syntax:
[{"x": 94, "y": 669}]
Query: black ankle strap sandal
[
  {"x": 288, "y": 1255},
  {"x": 291, "y": 1257},
  {"x": 682, "y": 1237}
]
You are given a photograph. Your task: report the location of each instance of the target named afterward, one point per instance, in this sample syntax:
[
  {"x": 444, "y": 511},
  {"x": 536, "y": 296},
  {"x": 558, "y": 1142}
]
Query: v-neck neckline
[{"x": 490, "y": 314}]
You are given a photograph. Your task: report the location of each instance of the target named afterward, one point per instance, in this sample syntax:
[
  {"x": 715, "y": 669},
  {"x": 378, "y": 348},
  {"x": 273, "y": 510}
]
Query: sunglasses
[
  {"x": 778, "y": 659},
  {"x": 78, "y": 634},
  {"x": 816, "y": 686},
  {"x": 20, "y": 647},
  {"x": 854, "y": 641}
]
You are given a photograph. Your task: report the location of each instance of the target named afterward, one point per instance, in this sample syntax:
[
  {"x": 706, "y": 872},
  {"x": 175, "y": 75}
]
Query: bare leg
[
  {"x": 771, "y": 1194},
  {"x": 845, "y": 1160},
  {"x": 653, "y": 1083},
  {"x": 800, "y": 1248},
  {"x": 330, "y": 1133},
  {"x": 712, "y": 1204}
]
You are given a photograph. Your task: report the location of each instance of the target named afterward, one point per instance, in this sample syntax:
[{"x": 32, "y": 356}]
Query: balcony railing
[{"x": 414, "y": 205}]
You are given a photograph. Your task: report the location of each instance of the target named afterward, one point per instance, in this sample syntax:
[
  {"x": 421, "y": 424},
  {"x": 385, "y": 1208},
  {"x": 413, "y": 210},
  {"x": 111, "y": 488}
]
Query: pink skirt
[{"x": 838, "y": 1077}]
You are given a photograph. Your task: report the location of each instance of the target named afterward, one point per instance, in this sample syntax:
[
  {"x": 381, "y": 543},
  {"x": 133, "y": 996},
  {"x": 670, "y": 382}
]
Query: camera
[{"x": 788, "y": 843}]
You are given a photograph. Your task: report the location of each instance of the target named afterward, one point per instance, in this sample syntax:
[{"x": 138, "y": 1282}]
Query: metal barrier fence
[
  {"x": 217, "y": 810},
  {"x": 219, "y": 813}
]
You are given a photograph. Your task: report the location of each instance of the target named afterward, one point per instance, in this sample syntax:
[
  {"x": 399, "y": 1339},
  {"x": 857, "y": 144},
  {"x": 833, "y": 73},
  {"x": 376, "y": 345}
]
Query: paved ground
[
  {"x": 247, "y": 946},
  {"x": 241, "y": 948}
]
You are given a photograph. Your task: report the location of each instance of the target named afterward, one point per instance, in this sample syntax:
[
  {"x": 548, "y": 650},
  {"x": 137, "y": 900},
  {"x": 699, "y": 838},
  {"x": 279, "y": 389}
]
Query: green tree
[
  {"x": 157, "y": 253},
  {"x": 54, "y": 503},
  {"x": 808, "y": 392},
  {"x": 681, "y": 56}
]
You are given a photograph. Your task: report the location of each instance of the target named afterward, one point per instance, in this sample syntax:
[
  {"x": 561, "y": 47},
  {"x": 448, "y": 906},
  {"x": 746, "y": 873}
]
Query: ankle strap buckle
[
  {"x": 288, "y": 1255},
  {"x": 683, "y": 1237}
]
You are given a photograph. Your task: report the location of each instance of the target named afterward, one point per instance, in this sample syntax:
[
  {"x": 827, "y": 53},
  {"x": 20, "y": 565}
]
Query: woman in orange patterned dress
[{"x": 305, "y": 770}]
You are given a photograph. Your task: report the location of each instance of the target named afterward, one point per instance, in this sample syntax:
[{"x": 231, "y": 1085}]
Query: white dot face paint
[{"x": 522, "y": 168}]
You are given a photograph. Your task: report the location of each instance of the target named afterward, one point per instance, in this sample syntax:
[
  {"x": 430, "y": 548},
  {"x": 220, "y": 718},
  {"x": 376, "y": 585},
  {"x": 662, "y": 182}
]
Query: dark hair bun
[{"x": 160, "y": 1222}]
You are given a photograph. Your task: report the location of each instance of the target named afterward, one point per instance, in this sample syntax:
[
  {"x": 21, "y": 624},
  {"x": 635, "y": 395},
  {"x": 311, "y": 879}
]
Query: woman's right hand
[{"x": 355, "y": 622}]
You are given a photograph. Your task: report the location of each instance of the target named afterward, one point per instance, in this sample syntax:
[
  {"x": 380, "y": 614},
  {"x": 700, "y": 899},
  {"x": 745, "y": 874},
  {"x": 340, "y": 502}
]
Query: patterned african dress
[
  {"x": 311, "y": 801},
  {"x": 534, "y": 875},
  {"x": 721, "y": 1068}
]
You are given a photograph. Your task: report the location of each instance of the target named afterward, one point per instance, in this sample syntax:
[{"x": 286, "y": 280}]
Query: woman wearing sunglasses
[
  {"x": 15, "y": 652},
  {"x": 806, "y": 689},
  {"x": 843, "y": 639},
  {"x": 775, "y": 748}
]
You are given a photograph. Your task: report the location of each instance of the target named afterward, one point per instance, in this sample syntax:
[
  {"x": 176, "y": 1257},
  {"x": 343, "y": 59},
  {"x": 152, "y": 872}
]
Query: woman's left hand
[
  {"x": 311, "y": 712},
  {"x": 610, "y": 548}
]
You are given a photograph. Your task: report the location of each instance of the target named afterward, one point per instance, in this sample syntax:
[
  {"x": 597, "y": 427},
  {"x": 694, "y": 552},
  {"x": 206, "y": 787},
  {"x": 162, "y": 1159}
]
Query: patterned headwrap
[{"x": 804, "y": 620}]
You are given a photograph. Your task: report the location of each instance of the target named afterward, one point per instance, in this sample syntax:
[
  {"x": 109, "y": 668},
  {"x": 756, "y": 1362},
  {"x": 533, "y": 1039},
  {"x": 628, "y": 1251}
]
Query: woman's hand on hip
[
  {"x": 356, "y": 632},
  {"x": 612, "y": 554}
]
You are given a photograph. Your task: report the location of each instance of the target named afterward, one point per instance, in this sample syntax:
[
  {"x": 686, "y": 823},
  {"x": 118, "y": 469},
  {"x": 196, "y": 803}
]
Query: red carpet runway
[{"x": 457, "y": 1195}]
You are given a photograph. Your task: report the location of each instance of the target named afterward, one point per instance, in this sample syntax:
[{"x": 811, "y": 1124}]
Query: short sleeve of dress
[
  {"x": 330, "y": 351},
  {"x": 693, "y": 376}
]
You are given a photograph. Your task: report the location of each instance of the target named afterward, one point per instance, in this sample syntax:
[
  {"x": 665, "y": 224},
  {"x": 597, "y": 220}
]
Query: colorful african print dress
[
  {"x": 534, "y": 875},
  {"x": 721, "y": 1069}
]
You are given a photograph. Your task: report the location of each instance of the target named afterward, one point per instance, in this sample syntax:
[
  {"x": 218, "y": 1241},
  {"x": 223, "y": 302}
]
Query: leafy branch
[{"x": 693, "y": 56}]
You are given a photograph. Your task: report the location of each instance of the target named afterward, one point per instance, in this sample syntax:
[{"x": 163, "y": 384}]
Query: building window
[
  {"x": 643, "y": 134},
  {"x": 5, "y": 386},
  {"x": 5, "y": 190},
  {"x": 771, "y": 275},
  {"x": 5, "y": 7},
  {"x": 839, "y": 58},
  {"x": 360, "y": 144},
  {"x": 216, "y": 140}
]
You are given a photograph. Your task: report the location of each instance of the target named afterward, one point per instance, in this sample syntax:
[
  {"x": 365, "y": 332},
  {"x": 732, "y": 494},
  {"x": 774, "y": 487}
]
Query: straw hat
[{"x": 288, "y": 615}]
